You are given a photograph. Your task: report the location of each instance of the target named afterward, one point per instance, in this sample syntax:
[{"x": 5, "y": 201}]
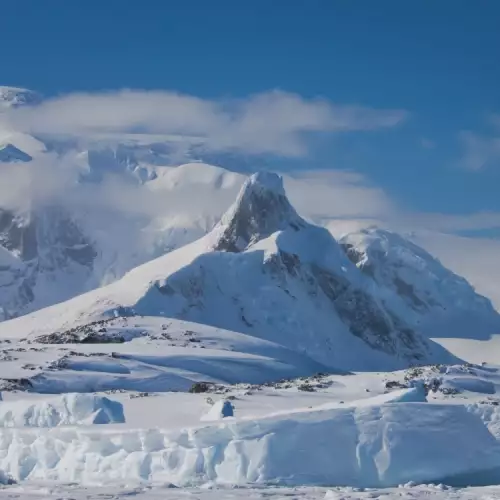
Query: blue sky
[{"x": 438, "y": 61}]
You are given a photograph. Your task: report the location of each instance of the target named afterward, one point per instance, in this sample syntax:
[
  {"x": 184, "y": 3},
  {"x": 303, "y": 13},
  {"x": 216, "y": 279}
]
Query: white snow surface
[
  {"x": 408, "y": 491},
  {"x": 365, "y": 447},
  {"x": 349, "y": 431},
  {"x": 66, "y": 409},
  {"x": 159, "y": 354}
]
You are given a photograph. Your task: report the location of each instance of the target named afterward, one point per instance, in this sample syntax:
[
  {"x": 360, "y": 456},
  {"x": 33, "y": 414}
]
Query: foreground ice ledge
[{"x": 382, "y": 445}]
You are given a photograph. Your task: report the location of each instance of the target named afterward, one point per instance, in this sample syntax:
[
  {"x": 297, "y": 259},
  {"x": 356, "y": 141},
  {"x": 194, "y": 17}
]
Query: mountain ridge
[
  {"x": 419, "y": 287},
  {"x": 289, "y": 283}
]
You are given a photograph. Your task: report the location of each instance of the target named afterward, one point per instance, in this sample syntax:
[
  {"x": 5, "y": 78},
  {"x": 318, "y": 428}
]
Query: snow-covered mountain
[
  {"x": 128, "y": 201},
  {"x": 263, "y": 271},
  {"x": 68, "y": 247},
  {"x": 45, "y": 258},
  {"x": 419, "y": 288}
]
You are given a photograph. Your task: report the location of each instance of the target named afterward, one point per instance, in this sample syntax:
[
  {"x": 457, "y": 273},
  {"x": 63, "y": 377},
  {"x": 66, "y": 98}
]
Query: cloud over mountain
[{"x": 273, "y": 122}]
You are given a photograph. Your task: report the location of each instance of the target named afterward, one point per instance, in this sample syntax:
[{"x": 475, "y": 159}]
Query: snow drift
[
  {"x": 371, "y": 446},
  {"x": 68, "y": 409}
]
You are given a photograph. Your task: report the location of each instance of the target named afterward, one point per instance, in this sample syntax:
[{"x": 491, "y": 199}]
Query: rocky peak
[{"x": 261, "y": 209}]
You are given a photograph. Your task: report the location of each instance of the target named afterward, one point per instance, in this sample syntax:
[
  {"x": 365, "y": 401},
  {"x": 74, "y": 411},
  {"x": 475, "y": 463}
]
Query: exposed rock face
[
  {"x": 31, "y": 236},
  {"x": 364, "y": 316},
  {"x": 261, "y": 209},
  {"x": 18, "y": 234},
  {"x": 39, "y": 249}
]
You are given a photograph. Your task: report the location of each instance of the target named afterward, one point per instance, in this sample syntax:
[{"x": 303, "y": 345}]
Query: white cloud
[
  {"x": 448, "y": 222},
  {"x": 474, "y": 258},
  {"x": 495, "y": 120},
  {"x": 427, "y": 143},
  {"x": 342, "y": 194},
  {"x": 405, "y": 222},
  {"x": 272, "y": 122},
  {"x": 480, "y": 151},
  {"x": 46, "y": 178}
]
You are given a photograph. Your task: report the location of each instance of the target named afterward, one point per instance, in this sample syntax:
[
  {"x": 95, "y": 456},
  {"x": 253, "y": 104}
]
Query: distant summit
[
  {"x": 14, "y": 97},
  {"x": 9, "y": 153}
]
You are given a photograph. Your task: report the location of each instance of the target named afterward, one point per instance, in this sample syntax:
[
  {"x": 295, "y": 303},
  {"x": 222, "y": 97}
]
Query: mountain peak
[
  {"x": 14, "y": 97},
  {"x": 265, "y": 181},
  {"x": 261, "y": 209},
  {"x": 10, "y": 153}
]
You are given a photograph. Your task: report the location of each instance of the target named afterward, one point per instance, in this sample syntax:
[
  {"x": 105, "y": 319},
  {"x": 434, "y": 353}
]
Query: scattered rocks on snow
[
  {"x": 394, "y": 384},
  {"x": 15, "y": 384},
  {"x": 200, "y": 387},
  {"x": 136, "y": 395},
  {"x": 306, "y": 388}
]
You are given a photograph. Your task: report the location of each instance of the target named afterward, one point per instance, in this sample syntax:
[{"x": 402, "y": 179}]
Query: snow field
[{"x": 382, "y": 445}]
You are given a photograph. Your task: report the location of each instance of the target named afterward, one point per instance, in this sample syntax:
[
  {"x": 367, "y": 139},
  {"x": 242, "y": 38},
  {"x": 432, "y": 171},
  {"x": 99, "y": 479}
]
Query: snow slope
[
  {"x": 473, "y": 258},
  {"x": 146, "y": 354},
  {"x": 263, "y": 271},
  {"x": 417, "y": 286}
]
